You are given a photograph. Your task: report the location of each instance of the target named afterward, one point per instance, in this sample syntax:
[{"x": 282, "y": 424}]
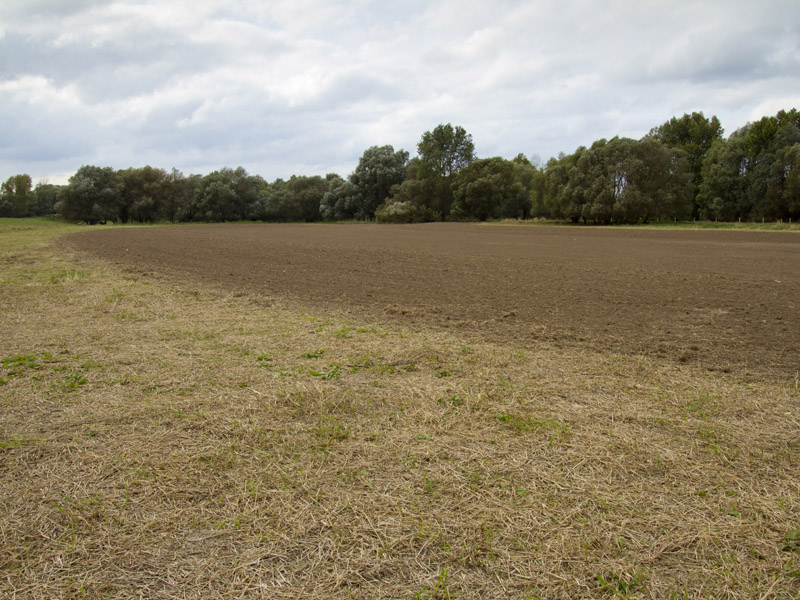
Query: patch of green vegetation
[
  {"x": 451, "y": 401},
  {"x": 264, "y": 361},
  {"x": 442, "y": 372},
  {"x": 792, "y": 541},
  {"x": 12, "y": 443},
  {"x": 333, "y": 373},
  {"x": 529, "y": 424},
  {"x": 439, "y": 591},
  {"x": 621, "y": 585},
  {"x": 20, "y": 363},
  {"x": 328, "y": 433},
  {"x": 314, "y": 354},
  {"x": 344, "y": 332},
  {"x": 74, "y": 380}
]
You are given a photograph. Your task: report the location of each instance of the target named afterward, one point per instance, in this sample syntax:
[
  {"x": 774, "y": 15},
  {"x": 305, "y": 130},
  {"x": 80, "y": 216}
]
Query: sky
[{"x": 303, "y": 87}]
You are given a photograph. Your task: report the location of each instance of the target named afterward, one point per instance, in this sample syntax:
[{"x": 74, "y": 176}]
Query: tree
[
  {"x": 245, "y": 187},
  {"x": 275, "y": 204},
  {"x": 547, "y": 188},
  {"x": 623, "y": 181},
  {"x": 694, "y": 134},
  {"x": 409, "y": 202},
  {"x": 341, "y": 201},
  {"x": 178, "y": 193},
  {"x": 379, "y": 169},
  {"x": 46, "y": 198},
  {"x": 723, "y": 189},
  {"x": 305, "y": 194},
  {"x": 443, "y": 152},
  {"x": 93, "y": 195},
  {"x": 215, "y": 199},
  {"x": 492, "y": 188},
  {"x": 750, "y": 175},
  {"x": 761, "y": 166},
  {"x": 16, "y": 198},
  {"x": 143, "y": 191},
  {"x": 517, "y": 203},
  {"x": 783, "y": 188}
]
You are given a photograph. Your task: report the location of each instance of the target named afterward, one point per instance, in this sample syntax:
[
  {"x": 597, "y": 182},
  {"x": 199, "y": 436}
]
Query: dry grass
[{"x": 168, "y": 440}]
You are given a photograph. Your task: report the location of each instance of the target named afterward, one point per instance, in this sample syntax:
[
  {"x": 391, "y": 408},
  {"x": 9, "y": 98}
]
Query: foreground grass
[{"x": 166, "y": 439}]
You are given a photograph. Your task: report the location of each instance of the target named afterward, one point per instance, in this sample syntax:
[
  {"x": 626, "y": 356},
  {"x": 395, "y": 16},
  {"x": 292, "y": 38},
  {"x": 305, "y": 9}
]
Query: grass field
[{"x": 166, "y": 439}]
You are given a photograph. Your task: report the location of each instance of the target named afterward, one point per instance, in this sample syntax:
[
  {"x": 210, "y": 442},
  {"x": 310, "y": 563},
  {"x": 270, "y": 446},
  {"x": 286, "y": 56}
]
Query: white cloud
[{"x": 295, "y": 85}]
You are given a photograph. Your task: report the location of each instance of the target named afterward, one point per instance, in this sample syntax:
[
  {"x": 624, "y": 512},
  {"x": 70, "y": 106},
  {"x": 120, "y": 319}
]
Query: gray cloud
[{"x": 305, "y": 86}]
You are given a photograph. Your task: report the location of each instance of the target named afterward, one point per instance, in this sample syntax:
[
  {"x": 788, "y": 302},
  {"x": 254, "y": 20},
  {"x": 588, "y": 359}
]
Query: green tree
[
  {"x": 143, "y": 191},
  {"x": 491, "y": 188},
  {"x": 517, "y": 202},
  {"x": 443, "y": 152},
  {"x": 305, "y": 197},
  {"x": 93, "y": 195},
  {"x": 782, "y": 199},
  {"x": 723, "y": 190},
  {"x": 276, "y": 204},
  {"x": 747, "y": 174},
  {"x": 694, "y": 134},
  {"x": 379, "y": 169},
  {"x": 547, "y": 187},
  {"x": 623, "y": 181},
  {"x": 46, "y": 198},
  {"x": 409, "y": 202},
  {"x": 179, "y": 190},
  {"x": 341, "y": 201},
  {"x": 16, "y": 197},
  {"x": 246, "y": 188}
]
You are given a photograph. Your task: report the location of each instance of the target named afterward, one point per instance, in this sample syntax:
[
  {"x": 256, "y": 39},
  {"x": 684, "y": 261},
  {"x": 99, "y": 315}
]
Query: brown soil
[{"x": 727, "y": 300}]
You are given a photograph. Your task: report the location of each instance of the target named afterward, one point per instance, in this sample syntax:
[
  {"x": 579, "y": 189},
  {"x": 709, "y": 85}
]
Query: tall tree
[
  {"x": 16, "y": 198},
  {"x": 443, "y": 152},
  {"x": 490, "y": 188},
  {"x": 143, "y": 191},
  {"x": 783, "y": 187},
  {"x": 342, "y": 200},
  {"x": 305, "y": 194},
  {"x": 379, "y": 169},
  {"x": 723, "y": 190},
  {"x": 694, "y": 134},
  {"x": 46, "y": 198},
  {"x": 93, "y": 195}
]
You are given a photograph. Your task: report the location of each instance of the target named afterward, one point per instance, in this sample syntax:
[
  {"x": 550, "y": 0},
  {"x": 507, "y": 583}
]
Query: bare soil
[{"x": 727, "y": 300}]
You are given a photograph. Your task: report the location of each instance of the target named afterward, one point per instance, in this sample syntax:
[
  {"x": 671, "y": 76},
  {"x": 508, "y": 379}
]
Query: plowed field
[{"x": 727, "y": 300}]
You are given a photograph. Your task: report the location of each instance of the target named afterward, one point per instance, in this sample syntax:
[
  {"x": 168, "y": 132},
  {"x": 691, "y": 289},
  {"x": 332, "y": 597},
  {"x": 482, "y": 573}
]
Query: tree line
[{"x": 682, "y": 169}]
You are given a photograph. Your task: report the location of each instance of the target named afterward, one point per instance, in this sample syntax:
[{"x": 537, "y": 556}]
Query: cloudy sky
[{"x": 305, "y": 86}]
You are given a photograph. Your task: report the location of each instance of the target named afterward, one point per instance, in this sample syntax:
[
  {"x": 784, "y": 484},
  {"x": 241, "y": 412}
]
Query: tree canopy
[{"x": 681, "y": 169}]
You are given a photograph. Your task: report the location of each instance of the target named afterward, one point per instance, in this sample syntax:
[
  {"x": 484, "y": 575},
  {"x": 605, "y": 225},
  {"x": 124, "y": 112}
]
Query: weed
[
  {"x": 530, "y": 424},
  {"x": 21, "y": 362},
  {"x": 74, "y": 380},
  {"x": 264, "y": 361},
  {"x": 13, "y": 443},
  {"x": 440, "y": 590},
  {"x": 621, "y": 585},
  {"x": 330, "y": 433},
  {"x": 792, "y": 541},
  {"x": 792, "y": 570},
  {"x": 315, "y": 354},
  {"x": 452, "y": 401},
  {"x": 332, "y": 374}
]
